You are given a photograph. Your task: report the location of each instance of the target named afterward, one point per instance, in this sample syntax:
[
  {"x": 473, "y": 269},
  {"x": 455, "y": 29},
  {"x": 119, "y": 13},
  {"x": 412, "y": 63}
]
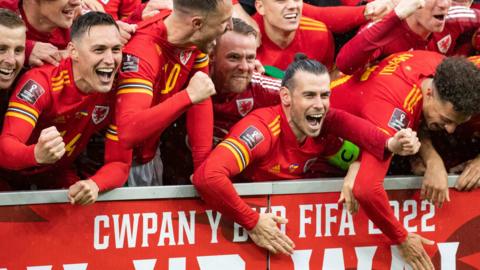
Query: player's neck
[
  {"x": 82, "y": 85},
  {"x": 176, "y": 34},
  {"x": 417, "y": 28},
  {"x": 279, "y": 37},
  {"x": 299, "y": 135},
  {"x": 36, "y": 20}
]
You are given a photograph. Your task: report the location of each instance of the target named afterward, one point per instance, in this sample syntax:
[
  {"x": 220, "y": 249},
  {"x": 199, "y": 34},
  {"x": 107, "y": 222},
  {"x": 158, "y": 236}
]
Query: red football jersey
[
  {"x": 150, "y": 93},
  {"x": 262, "y": 146},
  {"x": 229, "y": 108},
  {"x": 45, "y": 97},
  {"x": 459, "y": 20},
  {"x": 391, "y": 35},
  {"x": 120, "y": 9},
  {"x": 309, "y": 32},
  {"x": 390, "y": 96}
]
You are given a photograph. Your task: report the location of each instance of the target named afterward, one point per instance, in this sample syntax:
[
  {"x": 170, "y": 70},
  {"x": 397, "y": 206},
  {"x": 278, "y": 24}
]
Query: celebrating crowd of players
[{"x": 171, "y": 92}]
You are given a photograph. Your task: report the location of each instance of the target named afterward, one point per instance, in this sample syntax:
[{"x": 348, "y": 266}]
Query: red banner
[
  {"x": 182, "y": 234},
  {"x": 147, "y": 235},
  {"x": 327, "y": 237}
]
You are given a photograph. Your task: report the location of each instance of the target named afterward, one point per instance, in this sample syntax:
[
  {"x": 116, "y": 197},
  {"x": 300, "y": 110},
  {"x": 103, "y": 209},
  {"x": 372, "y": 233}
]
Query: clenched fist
[
  {"x": 50, "y": 146},
  {"x": 200, "y": 87}
]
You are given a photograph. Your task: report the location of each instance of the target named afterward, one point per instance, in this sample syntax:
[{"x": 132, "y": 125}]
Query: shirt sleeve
[
  {"x": 213, "y": 178},
  {"x": 373, "y": 199},
  {"x": 135, "y": 94},
  {"x": 24, "y": 109},
  {"x": 117, "y": 161},
  {"x": 339, "y": 19},
  {"x": 200, "y": 120},
  {"x": 365, "y": 47},
  {"x": 358, "y": 130}
]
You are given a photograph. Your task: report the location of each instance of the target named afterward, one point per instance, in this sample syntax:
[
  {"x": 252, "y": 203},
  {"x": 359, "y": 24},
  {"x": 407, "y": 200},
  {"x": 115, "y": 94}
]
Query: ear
[
  {"x": 259, "y": 7},
  {"x": 285, "y": 96},
  {"x": 72, "y": 51},
  {"x": 197, "y": 22}
]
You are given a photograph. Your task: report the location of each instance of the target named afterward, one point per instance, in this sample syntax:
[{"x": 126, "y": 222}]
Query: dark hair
[
  {"x": 301, "y": 63},
  {"x": 200, "y": 5},
  {"x": 9, "y": 19},
  {"x": 241, "y": 27},
  {"x": 457, "y": 81},
  {"x": 82, "y": 24}
]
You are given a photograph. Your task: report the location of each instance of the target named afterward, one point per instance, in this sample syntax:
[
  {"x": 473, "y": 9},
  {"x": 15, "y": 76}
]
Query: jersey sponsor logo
[
  {"x": 185, "y": 56},
  {"x": 398, "y": 120},
  {"x": 308, "y": 164},
  {"x": 244, "y": 106},
  {"x": 252, "y": 137},
  {"x": 444, "y": 44},
  {"x": 99, "y": 114},
  {"x": 130, "y": 63},
  {"x": 31, "y": 92}
]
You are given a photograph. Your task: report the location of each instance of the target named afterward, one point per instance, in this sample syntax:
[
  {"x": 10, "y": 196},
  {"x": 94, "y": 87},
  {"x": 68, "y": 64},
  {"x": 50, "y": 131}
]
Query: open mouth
[
  {"x": 6, "y": 73},
  {"x": 69, "y": 12},
  {"x": 440, "y": 17},
  {"x": 314, "y": 120},
  {"x": 291, "y": 16},
  {"x": 105, "y": 74}
]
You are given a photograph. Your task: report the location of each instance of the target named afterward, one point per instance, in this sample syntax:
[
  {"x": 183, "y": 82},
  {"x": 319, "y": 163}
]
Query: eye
[
  {"x": 19, "y": 50},
  {"x": 325, "y": 94}
]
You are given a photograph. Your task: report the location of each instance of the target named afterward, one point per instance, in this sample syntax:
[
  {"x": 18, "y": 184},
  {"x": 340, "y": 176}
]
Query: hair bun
[{"x": 300, "y": 57}]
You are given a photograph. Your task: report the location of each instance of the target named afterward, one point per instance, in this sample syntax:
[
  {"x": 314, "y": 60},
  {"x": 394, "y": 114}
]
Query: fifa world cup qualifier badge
[
  {"x": 252, "y": 137},
  {"x": 398, "y": 120},
  {"x": 31, "y": 92},
  {"x": 130, "y": 63}
]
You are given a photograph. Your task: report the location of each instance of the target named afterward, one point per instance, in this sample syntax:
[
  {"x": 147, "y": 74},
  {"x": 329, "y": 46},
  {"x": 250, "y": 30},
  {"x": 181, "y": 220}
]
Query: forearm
[
  {"x": 151, "y": 121},
  {"x": 429, "y": 155},
  {"x": 370, "y": 193},
  {"x": 360, "y": 50},
  {"x": 360, "y": 131},
  {"x": 339, "y": 19},
  {"x": 212, "y": 181},
  {"x": 200, "y": 130},
  {"x": 20, "y": 156}
]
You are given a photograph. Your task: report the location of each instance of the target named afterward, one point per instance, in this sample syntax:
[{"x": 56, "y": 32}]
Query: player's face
[
  {"x": 12, "y": 54},
  {"x": 283, "y": 15},
  {"x": 440, "y": 115},
  {"x": 310, "y": 101},
  {"x": 432, "y": 16},
  {"x": 96, "y": 57},
  {"x": 59, "y": 13},
  {"x": 215, "y": 24},
  {"x": 233, "y": 62}
]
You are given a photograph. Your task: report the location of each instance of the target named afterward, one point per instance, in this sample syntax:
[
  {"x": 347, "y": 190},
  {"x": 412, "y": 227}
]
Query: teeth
[
  {"x": 6, "y": 71},
  {"x": 316, "y": 115},
  {"x": 106, "y": 70},
  {"x": 290, "y": 16}
]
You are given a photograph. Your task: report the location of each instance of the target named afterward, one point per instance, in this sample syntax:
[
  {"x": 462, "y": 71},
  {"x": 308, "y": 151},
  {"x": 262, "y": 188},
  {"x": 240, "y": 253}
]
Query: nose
[
  {"x": 450, "y": 128},
  {"x": 9, "y": 57},
  {"x": 243, "y": 65},
  {"x": 292, "y": 4},
  {"x": 108, "y": 58},
  {"x": 229, "y": 25},
  {"x": 319, "y": 103}
]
